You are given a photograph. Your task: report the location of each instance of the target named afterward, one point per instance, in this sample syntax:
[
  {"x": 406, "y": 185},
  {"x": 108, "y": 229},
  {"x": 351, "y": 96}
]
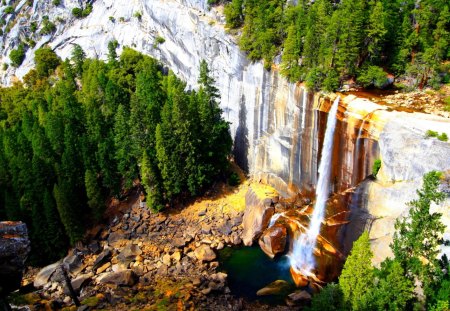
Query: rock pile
[{"x": 140, "y": 251}]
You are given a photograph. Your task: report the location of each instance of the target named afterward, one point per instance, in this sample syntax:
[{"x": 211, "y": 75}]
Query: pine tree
[
  {"x": 78, "y": 57},
  {"x": 152, "y": 183},
  {"x": 376, "y": 32},
  {"x": 358, "y": 273},
  {"x": 418, "y": 237}
]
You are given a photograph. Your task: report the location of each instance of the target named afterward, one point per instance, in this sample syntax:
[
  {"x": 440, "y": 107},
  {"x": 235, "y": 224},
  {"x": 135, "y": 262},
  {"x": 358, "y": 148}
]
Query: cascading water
[{"x": 301, "y": 256}]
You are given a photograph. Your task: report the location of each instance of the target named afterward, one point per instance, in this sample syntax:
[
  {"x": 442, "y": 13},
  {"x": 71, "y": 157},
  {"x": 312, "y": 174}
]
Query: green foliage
[
  {"x": 430, "y": 133},
  {"x": 78, "y": 58},
  {"x": 77, "y": 12},
  {"x": 233, "y": 14},
  {"x": 394, "y": 291},
  {"x": 443, "y": 137},
  {"x": 112, "y": 54},
  {"x": 158, "y": 40},
  {"x": 376, "y": 167},
  {"x": 418, "y": 237},
  {"x": 82, "y": 13},
  {"x": 33, "y": 26},
  {"x": 46, "y": 61},
  {"x": 329, "y": 298},
  {"x": 373, "y": 76},
  {"x": 138, "y": 15},
  {"x": 351, "y": 38},
  {"x": 8, "y": 10},
  {"x": 357, "y": 273},
  {"x": 47, "y": 27},
  {"x": 56, "y": 2},
  {"x": 69, "y": 142},
  {"x": 17, "y": 56}
]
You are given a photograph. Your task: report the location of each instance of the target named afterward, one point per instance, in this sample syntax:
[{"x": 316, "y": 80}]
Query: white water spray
[
  {"x": 274, "y": 218},
  {"x": 301, "y": 257}
]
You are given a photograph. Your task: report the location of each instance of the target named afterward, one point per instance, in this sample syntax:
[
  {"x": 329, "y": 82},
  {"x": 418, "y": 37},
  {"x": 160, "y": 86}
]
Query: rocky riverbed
[{"x": 146, "y": 261}]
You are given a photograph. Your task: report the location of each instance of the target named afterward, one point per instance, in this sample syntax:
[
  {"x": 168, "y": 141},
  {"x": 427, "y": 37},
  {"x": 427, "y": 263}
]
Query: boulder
[
  {"x": 73, "y": 264},
  {"x": 258, "y": 211},
  {"x": 278, "y": 287},
  {"x": 273, "y": 240},
  {"x": 101, "y": 259},
  {"x": 124, "y": 278},
  {"x": 129, "y": 253},
  {"x": 43, "y": 277},
  {"x": 298, "y": 297},
  {"x": 14, "y": 249},
  {"x": 79, "y": 283},
  {"x": 204, "y": 253}
]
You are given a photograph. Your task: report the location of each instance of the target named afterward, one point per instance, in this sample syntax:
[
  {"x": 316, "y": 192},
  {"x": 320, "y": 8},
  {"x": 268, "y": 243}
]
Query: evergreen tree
[
  {"x": 358, "y": 273},
  {"x": 78, "y": 57},
  {"x": 418, "y": 237}
]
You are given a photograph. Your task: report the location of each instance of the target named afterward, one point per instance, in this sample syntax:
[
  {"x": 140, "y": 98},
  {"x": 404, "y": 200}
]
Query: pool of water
[{"x": 249, "y": 270}]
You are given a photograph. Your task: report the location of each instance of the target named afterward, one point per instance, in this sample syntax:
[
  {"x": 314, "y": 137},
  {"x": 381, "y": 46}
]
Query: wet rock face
[{"x": 14, "y": 250}]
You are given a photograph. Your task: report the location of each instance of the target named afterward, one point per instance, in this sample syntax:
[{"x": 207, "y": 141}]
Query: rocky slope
[{"x": 277, "y": 126}]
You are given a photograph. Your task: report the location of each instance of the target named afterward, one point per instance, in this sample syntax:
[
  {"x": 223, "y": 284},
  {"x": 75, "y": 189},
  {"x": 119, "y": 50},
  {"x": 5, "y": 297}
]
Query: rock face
[
  {"x": 277, "y": 126},
  {"x": 14, "y": 249},
  {"x": 258, "y": 211}
]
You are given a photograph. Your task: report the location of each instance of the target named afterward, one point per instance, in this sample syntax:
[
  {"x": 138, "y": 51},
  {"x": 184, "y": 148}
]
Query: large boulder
[
  {"x": 125, "y": 278},
  {"x": 14, "y": 250},
  {"x": 273, "y": 240},
  {"x": 259, "y": 209},
  {"x": 204, "y": 253},
  {"x": 43, "y": 277},
  {"x": 278, "y": 287}
]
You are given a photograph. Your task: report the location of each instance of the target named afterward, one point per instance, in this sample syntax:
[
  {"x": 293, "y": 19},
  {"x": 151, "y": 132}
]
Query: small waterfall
[
  {"x": 305, "y": 99},
  {"x": 274, "y": 218},
  {"x": 301, "y": 257}
]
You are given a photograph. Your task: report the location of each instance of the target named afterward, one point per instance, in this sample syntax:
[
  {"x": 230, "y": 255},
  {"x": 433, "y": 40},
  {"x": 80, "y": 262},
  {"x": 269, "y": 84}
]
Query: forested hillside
[
  {"x": 326, "y": 42},
  {"x": 81, "y": 130}
]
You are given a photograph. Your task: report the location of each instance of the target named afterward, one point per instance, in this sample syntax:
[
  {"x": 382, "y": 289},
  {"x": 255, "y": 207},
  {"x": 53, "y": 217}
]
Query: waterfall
[
  {"x": 305, "y": 99},
  {"x": 275, "y": 218},
  {"x": 301, "y": 257}
]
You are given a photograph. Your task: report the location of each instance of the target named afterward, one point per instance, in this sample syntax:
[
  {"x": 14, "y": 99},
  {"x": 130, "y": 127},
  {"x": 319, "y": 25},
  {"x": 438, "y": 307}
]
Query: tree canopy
[
  {"x": 326, "y": 42},
  {"x": 82, "y": 130}
]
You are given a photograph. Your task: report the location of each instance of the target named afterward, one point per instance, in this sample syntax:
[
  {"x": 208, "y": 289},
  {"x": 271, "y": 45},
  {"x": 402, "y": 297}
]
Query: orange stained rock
[{"x": 299, "y": 279}]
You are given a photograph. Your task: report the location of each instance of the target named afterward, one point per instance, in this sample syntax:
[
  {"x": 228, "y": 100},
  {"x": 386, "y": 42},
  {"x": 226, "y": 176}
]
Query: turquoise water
[{"x": 249, "y": 270}]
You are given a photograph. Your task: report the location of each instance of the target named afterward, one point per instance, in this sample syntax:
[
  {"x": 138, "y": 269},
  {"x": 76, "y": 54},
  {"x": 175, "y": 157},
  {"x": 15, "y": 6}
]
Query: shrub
[
  {"x": 373, "y": 76},
  {"x": 56, "y": 2},
  {"x": 17, "y": 56},
  {"x": 112, "y": 19},
  {"x": 158, "y": 40},
  {"x": 77, "y": 12},
  {"x": 33, "y": 26},
  {"x": 46, "y": 61},
  {"x": 5, "y": 66},
  {"x": 443, "y": 137},
  {"x": 431, "y": 133},
  {"x": 48, "y": 27},
  {"x": 376, "y": 167},
  {"x": 87, "y": 10},
  {"x": 138, "y": 15},
  {"x": 9, "y": 10}
]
